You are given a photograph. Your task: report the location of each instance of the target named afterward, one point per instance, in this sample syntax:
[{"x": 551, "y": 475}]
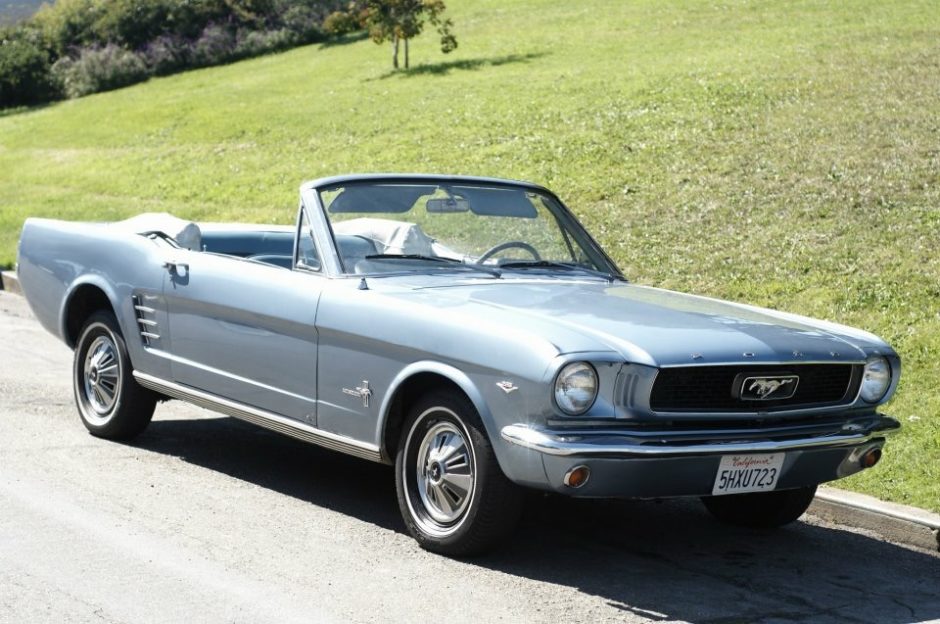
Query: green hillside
[{"x": 780, "y": 153}]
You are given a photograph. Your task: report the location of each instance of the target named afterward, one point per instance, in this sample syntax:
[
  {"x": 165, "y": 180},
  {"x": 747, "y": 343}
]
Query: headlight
[
  {"x": 875, "y": 379},
  {"x": 576, "y": 388}
]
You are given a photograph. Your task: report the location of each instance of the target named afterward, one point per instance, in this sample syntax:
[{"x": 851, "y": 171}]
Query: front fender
[
  {"x": 520, "y": 465},
  {"x": 451, "y": 373}
]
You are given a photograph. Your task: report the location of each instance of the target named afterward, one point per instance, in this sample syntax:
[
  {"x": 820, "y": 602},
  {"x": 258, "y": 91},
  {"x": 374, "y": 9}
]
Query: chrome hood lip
[{"x": 648, "y": 325}]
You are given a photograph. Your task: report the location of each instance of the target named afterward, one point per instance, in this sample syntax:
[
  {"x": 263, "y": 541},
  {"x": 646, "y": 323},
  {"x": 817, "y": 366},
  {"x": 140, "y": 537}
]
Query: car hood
[{"x": 649, "y": 325}]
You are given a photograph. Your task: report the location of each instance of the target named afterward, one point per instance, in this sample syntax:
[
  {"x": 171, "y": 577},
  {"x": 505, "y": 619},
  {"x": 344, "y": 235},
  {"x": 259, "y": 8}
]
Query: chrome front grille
[{"x": 712, "y": 388}]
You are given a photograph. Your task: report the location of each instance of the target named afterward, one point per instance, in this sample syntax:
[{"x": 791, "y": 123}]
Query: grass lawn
[{"x": 780, "y": 153}]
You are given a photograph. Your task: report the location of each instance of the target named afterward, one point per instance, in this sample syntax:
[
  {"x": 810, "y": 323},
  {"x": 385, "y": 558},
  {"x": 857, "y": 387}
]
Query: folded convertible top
[{"x": 185, "y": 233}]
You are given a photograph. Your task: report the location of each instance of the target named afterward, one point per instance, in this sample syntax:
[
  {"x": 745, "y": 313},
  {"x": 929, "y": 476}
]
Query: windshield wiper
[
  {"x": 550, "y": 264},
  {"x": 449, "y": 261}
]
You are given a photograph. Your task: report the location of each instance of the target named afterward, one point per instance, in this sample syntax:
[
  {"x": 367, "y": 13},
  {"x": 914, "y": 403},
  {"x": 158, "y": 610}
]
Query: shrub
[
  {"x": 132, "y": 23},
  {"x": 67, "y": 24},
  {"x": 167, "y": 54},
  {"x": 215, "y": 45},
  {"x": 106, "y": 44},
  {"x": 99, "y": 69},
  {"x": 25, "y": 76},
  {"x": 303, "y": 21},
  {"x": 341, "y": 22},
  {"x": 256, "y": 42},
  {"x": 252, "y": 13}
]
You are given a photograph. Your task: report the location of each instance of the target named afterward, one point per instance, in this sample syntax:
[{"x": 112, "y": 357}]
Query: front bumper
[{"x": 660, "y": 464}]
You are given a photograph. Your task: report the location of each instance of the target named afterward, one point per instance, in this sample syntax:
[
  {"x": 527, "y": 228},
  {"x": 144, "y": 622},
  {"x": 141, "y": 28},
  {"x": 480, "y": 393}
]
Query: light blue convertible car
[{"x": 470, "y": 332}]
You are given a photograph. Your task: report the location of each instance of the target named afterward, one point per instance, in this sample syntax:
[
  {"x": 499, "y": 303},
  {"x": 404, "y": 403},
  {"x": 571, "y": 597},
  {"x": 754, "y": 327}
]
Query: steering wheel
[{"x": 492, "y": 251}]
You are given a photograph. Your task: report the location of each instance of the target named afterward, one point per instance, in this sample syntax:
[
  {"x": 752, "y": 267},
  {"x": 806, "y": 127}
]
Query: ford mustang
[{"x": 470, "y": 332}]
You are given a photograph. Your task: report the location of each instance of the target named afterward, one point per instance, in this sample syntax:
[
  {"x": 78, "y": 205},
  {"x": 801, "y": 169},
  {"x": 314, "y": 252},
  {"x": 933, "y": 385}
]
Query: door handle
[{"x": 174, "y": 267}]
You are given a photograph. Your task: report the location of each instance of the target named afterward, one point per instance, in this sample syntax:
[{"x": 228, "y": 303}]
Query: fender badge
[
  {"x": 363, "y": 392},
  {"x": 506, "y": 386}
]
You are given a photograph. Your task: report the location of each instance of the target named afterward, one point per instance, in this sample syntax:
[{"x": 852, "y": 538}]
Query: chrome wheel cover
[
  {"x": 442, "y": 474},
  {"x": 101, "y": 377}
]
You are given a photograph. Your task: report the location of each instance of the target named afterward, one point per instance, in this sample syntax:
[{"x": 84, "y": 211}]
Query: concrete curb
[
  {"x": 10, "y": 283},
  {"x": 902, "y": 524},
  {"x": 899, "y": 523}
]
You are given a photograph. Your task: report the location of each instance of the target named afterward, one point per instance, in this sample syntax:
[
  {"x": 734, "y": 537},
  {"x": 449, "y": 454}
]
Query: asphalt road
[{"x": 206, "y": 519}]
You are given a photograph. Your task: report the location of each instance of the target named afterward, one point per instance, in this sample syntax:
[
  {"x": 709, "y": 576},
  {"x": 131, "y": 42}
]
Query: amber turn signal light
[
  {"x": 870, "y": 457},
  {"x": 577, "y": 476}
]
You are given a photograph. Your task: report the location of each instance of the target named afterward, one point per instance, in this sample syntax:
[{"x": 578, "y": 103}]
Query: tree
[
  {"x": 25, "y": 74},
  {"x": 397, "y": 21}
]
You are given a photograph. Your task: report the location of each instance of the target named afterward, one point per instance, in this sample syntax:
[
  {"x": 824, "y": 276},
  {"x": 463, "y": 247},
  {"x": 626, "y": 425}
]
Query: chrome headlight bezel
[
  {"x": 572, "y": 380},
  {"x": 876, "y": 379}
]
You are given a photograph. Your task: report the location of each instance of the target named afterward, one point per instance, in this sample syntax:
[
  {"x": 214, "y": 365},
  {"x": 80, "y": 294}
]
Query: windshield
[{"x": 394, "y": 227}]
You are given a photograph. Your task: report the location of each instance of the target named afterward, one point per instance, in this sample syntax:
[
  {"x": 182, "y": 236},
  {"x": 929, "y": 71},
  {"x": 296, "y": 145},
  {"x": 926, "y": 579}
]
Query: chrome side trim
[
  {"x": 268, "y": 420},
  {"x": 668, "y": 444},
  {"x": 226, "y": 375}
]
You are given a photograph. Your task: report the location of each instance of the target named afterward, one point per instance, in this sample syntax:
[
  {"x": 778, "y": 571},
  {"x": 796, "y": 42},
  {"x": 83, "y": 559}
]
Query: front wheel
[
  {"x": 764, "y": 510},
  {"x": 453, "y": 496},
  {"x": 110, "y": 402}
]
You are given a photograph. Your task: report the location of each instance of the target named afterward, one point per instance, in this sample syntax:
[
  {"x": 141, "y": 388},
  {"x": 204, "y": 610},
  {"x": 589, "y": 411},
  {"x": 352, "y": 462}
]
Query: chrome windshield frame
[{"x": 326, "y": 240}]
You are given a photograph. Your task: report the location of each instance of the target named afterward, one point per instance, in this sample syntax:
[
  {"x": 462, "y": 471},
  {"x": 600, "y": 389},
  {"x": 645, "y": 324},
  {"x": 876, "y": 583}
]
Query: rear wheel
[
  {"x": 110, "y": 402},
  {"x": 453, "y": 496},
  {"x": 761, "y": 509}
]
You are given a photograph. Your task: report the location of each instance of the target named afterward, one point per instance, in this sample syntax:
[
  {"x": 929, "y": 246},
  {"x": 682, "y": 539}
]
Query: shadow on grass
[
  {"x": 19, "y": 110},
  {"x": 344, "y": 39},
  {"x": 446, "y": 67},
  {"x": 659, "y": 561}
]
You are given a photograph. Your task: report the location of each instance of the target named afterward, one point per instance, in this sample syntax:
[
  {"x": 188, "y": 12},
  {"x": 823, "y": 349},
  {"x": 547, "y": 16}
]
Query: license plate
[{"x": 738, "y": 474}]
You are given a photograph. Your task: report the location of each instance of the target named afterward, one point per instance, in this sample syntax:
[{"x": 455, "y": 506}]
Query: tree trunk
[
  {"x": 395, "y": 51},
  {"x": 406, "y": 54}
]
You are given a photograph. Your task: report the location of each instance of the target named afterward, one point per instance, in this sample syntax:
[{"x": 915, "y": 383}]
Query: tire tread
[{"x": 136, "y": 404}]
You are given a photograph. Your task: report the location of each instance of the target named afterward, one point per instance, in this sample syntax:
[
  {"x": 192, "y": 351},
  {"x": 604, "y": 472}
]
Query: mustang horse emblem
[{"x": 763, "y": 388}]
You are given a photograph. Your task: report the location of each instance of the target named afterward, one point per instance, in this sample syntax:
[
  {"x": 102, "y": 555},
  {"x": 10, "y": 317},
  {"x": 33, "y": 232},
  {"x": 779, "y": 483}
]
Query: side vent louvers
[
  {"x": 146, "y": 322},
  {"x": 625, "y": 389}
]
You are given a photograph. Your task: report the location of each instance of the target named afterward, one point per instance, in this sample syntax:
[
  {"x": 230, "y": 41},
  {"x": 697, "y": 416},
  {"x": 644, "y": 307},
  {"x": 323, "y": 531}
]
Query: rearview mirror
[{"x": 438, "y": 205}]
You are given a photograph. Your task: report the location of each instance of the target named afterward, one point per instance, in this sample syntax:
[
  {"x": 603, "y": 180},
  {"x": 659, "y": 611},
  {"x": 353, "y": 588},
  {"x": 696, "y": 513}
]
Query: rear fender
[{"x": 69, "y": 298}]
